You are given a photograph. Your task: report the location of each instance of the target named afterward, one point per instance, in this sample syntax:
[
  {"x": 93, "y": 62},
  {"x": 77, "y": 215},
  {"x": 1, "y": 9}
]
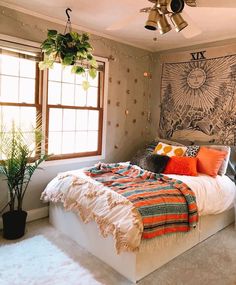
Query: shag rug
[{"x": 36, "y": 261}]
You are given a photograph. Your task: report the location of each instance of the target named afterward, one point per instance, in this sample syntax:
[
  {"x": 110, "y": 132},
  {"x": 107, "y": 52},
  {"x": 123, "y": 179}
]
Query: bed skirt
[{"x": 135, "y": 265}]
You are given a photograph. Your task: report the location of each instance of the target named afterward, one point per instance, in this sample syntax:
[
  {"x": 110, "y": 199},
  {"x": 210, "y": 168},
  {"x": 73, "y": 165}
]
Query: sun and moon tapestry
[{"x": 198, "y": 99}]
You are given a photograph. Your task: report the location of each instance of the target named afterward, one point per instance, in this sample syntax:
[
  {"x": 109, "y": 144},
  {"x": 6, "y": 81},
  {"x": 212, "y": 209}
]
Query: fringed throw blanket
[{"x": 126, "y": 201}]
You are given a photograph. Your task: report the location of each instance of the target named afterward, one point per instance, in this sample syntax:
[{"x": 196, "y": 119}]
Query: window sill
[{"x": 72, "y": 160}]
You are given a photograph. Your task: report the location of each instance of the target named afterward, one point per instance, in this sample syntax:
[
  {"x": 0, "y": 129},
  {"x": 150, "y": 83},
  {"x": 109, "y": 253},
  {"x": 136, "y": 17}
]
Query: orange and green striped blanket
[{"x": 165, "y": 204}]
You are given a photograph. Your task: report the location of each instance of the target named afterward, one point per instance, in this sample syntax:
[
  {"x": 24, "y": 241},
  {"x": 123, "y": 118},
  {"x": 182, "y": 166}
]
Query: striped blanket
[{"x": 166, "y": 205}]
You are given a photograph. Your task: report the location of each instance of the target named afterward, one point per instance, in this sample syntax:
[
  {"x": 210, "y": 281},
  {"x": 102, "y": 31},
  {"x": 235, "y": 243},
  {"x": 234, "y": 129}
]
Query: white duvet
[{"x": 213, "y": 195}]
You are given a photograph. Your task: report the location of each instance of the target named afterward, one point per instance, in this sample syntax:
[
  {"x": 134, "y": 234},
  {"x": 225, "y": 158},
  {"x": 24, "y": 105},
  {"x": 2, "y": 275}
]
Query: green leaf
[
  {"x": 78, "y": 69},
  {"x": 85, "y": 37},
  {"x": 93, "y": 73},
  {"x": 85, "y": 85},
  {"x": 93, "y": 63},
  {"x": 75, "y": 36},
  {"x": 68, "y": 59},
  {"x": 52, "y": 33},
  {"x": 47, "y": 63}
]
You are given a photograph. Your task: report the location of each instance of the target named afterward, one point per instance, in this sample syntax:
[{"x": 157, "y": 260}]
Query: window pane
[
  {"x": 27, "y": 90},
  {"x": 68, "y": 142},
  {"x": 8, "y": 115},
  {"x": 93, "y": 82},
  {"x": 55, "y": 120},
  {"x": 67, "y": 75},
  {"x": 9, "y": 65},
  {"x": 54, "y": 93},
  {"x": 81, "y": 142},
  {"x": 24, "y": 117},
  {"x": 67, "y": 94},
  {"x": 80, "y": 78},
  {"x": 54, "y": 74},
  {"x": 92, "y": 97},
  {"x": 54, "y": 142},
  {"x": 92, "y": 141},
  {"x": 69, "y": 120},
  {"x": 81, "y": 120},
  {"x": 93, "y": 120},
  {"x": 27, "y": 118},
  {"x": 9, "y": 89},
  {"x": 80, "y": 96},
  {"x": 27, "y": 68}
]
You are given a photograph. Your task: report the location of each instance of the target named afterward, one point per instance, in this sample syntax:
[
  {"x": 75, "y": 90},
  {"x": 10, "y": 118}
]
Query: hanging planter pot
[
  {"x": 70, "y": 49},
  {"x": 14, "y": 224}
]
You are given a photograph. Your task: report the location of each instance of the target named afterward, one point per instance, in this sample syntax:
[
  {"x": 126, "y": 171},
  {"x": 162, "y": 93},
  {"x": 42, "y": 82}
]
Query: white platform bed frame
[{"x": 135, "y": 266}]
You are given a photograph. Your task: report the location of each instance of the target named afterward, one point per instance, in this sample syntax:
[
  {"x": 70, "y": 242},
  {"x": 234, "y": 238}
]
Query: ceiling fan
[{"x": 174, "y": 9}]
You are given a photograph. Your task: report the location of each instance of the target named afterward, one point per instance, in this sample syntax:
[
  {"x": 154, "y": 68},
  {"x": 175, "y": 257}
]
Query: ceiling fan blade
[
  {"x": 123, "y": 22},
  {"x": 214, "y": 3},
  {"x": 192, "y": 30}
]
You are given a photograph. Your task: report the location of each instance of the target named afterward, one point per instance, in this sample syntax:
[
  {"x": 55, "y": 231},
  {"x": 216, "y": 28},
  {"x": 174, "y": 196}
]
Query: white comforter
[{"x": 213, "y": 195}]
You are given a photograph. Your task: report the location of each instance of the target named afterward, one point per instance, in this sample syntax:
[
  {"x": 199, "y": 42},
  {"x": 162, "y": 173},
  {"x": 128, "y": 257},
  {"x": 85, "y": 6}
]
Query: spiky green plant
[{"x": 19, "y": 151}]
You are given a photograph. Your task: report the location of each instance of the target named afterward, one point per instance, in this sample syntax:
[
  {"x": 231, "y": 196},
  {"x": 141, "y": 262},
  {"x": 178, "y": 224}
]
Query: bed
[{"x": 214, "y": 198}]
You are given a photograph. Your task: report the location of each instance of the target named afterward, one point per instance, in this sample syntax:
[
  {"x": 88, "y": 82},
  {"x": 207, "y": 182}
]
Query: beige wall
[{"x": 128, "y": 90}]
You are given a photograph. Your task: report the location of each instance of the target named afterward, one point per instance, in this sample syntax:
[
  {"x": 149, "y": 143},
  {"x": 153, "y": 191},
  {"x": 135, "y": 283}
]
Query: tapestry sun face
[{"x": 200, "y": 96}]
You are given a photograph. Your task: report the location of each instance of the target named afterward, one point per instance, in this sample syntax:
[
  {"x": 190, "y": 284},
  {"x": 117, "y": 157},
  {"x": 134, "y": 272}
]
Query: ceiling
[{"x": 95, "y": 16}]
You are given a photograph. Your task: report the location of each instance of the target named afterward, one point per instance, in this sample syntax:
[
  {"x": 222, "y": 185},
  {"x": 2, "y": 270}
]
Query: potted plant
[
  {"x": 18, "y": 165},
  {"x": 69, "y": 49}
]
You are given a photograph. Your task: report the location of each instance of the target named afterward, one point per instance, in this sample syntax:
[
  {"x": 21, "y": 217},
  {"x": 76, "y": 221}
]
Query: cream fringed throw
[{"x": 113, "y": 213}]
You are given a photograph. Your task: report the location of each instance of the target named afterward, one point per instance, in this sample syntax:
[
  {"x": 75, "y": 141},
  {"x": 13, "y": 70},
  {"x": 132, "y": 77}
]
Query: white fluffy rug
[{"x": 36, "y": 261}]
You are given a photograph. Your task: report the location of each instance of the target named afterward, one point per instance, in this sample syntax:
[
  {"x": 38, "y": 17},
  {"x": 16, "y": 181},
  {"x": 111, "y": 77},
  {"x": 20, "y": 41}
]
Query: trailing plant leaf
[
  {"x": 78, "y": 69},
  {"x": 93, "y": 73},
  {"x": 85, "y": 85}
]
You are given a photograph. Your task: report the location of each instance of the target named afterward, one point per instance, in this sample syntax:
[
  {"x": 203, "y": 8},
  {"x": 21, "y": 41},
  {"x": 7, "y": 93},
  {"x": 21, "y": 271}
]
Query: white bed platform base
[{"x": 135, "y": 266}]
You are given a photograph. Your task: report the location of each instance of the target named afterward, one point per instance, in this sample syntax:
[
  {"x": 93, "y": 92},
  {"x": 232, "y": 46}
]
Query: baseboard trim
[{"x": 34, "y": 215}]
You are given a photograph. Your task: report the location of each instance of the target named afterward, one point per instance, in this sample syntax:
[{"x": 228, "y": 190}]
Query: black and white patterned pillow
[{"x": 192, "y": 150}]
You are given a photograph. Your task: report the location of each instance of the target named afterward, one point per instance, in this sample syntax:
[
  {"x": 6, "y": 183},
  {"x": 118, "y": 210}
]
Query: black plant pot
[{"x": 14, "y": 224}]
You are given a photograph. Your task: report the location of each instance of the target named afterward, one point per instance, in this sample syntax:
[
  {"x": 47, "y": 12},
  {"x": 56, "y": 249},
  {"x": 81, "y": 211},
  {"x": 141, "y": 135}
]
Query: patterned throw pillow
[
  {"x": 192, "y": 150},
  {"x": 170, "y": 150}
]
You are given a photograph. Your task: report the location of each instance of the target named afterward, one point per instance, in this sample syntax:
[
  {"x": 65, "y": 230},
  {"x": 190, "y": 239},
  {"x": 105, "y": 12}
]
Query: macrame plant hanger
[{"x": 68, "y": 23}]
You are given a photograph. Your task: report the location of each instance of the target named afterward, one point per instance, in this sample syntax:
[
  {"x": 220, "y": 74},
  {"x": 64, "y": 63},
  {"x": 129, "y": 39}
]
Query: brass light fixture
[{"x": 157, "y": 15}]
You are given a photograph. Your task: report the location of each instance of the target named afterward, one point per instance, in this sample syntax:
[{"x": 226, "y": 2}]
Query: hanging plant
[{"x": 70, "y": 49}]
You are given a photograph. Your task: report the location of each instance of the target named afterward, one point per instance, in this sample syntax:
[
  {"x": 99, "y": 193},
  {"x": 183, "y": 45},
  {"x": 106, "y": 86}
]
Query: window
[
  {"x": 74, "y": 115},
  {"x": 72, "y": 118}
]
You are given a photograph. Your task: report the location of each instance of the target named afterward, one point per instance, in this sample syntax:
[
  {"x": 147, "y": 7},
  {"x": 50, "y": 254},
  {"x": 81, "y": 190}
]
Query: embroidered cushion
[
  {"x": 170, "y": 150},
  {"x": 182, "y": 166}
]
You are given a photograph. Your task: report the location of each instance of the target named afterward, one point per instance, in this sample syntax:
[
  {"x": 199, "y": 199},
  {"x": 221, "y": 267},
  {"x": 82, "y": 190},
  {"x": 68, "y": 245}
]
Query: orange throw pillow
[
  {"x": 210, "y": 160},
  {"x": 182, "y": 166}
]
